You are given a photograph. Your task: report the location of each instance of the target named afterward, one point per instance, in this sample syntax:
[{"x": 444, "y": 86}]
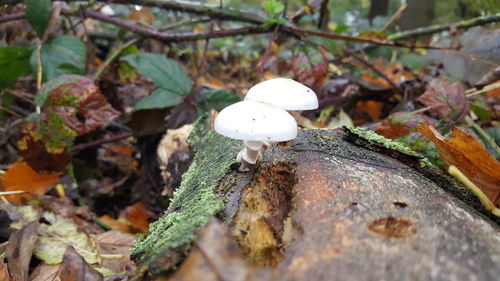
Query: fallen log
[{"x": 331, "y": 204}]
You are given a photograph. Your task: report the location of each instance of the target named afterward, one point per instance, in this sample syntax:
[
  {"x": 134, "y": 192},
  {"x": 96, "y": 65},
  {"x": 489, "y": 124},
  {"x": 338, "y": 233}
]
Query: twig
[
  {"x": 435, "y": 29},
  {"x": 14, "y": 192},
  {"x": 11, "y": 17},
  {"x": 112, "y": 57},
  {"x": 83, "y": 146},
  {"x": 483, "y": 134},
  {"x": 39, "y": 70},
  {"x": 372, "y": 67},
  {"x": 288, "y": 28},
  {"x": 394, "y": 17}
]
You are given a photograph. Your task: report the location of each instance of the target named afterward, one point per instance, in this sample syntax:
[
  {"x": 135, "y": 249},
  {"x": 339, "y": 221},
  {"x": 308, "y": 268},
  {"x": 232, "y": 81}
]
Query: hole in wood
[
  {"x": 393, "y": 227},
  {"x": 262, "y": 225}
]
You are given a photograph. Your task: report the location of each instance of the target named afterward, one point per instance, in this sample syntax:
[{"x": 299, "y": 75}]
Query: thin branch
[
  {"x": 394, "y": 17},
  {"x": 98, "y": 142},
  {"x": 112, "y": 57},
  {"x": 11, "y": 17},
  {"x": 435, "y": 29}
]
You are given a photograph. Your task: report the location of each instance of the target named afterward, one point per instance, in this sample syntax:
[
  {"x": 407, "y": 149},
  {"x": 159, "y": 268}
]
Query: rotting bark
[{"x": 330, "y": 204}]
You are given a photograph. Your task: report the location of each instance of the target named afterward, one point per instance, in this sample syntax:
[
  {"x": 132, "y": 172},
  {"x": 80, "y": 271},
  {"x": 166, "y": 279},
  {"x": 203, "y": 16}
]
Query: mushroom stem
[{"x": 250, "y": 155}]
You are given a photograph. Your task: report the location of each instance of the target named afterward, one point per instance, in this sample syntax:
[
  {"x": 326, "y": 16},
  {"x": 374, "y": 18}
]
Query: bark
[{"x": 331, "y": 204}]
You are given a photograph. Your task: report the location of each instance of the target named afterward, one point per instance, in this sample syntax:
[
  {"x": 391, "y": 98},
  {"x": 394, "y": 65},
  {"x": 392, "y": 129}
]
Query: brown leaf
[
  {"x": 447, "y": 99},
  {"x": 115, "y": 242},
  {"x": 310, "y": 66},
  {"x": 372, "y": 108},
  {"x": 22, "y": 177},
  {"x": 138, "y": 216},
  {"x": 401, "y": 124},
  {"x": 75, "y": 268},
  {"x": 470, "y": 157},
  {"x": 77, "y": 102},
  {"x": 44, "y": 272},
  {"x": 20, "y": 249},
  {"x": 215, "y": 256},
  {"x": 4, "y": 273},
  {"x": 144, "y": 15},
  {"x": 43, "y": 150}
]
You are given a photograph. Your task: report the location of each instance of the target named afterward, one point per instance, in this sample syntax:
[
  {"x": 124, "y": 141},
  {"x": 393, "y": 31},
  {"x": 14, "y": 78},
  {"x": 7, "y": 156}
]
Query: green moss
[
  {"x": 195, "y": 201},
  {"x": 377, "y": 139}
]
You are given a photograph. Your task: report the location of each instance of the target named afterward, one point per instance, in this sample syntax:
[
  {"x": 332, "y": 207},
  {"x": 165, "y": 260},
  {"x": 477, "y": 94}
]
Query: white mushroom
[
  {"x": 285, "y": 93},
  {"x": 255, "y": 122}
]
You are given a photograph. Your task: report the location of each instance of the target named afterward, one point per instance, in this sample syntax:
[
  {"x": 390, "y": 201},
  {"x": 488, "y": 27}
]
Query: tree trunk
[{"x": 331, "y": 204}]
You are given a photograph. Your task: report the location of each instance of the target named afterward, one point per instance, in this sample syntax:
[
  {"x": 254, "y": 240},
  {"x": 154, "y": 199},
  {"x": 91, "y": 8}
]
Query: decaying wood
[{"x": 325, "y": 207}]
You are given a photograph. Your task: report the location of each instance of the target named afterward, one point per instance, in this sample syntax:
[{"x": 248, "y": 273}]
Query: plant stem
[
  {"x": 483, "y": 134},
  {"x": 112, "y": 57}
]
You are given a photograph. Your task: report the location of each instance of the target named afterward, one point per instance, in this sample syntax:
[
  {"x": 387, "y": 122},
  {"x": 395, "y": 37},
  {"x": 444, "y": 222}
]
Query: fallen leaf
[
  {"x": 446, "y": 99},
  {"x": 143, "y": 15},
  {"x": 44, "y": 272},
  {"x": 215, "y": 256},
  {"x": 138, "y": 215},
  {"x": 372, "y": 108},
  {"x": 401, "y": 124},
  {"x": 75, "y": 268},
  {"x": 4, "y": 273},
  {"x": 310, "y": 66},
  {"x": 62, "y": 232},
  {"x": 115, "y": 242},
  {"x": 470, "y": 157},
  {"x": 20, "y": 249},
  {"x": 22, "y": 177}
]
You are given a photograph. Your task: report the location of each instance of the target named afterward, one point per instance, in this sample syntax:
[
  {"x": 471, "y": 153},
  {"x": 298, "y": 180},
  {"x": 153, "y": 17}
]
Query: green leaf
[
  {"x": 161, "y": 98},
  {"x": 216, "y": 99},
  {"x": 273, "y": 7},
  {"x": 38, "y": 14},
  {"x": 172, "y": 81},
  {"x": 61, "y": 55},
  {"x": 14, "y": 62}
]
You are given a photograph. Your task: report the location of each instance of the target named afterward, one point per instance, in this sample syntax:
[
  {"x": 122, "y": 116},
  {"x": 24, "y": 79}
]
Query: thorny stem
[{"x": 455, "y": 172}]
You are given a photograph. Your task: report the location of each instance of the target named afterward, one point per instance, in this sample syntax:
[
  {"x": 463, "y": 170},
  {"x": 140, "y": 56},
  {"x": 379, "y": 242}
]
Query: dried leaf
[
  {"x": 44, "y": 272},
  {"x": 117, "y": 243},
  {"x": 144, "y": 15},
  {"x": 372, "y": 108},
  {"x": 470, "y": 157},
  {"x": 138, "y": 216},
  {"x": 22, "y": 177},
  {"x": 401, "y": 124},
  {"x": 20, "y": 249},
  {"x": 447, "y": 99},
  {"x": 216, "y": 257},
  {"x": 62, "y": 232},
  {"x": 4, "y": 273},
  {"x": 75, "y": 268}
]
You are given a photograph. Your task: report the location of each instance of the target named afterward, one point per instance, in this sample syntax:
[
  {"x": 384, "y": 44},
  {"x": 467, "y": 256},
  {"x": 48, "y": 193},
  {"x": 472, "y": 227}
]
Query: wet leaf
[
  {"x": 38, "y": 14},
  {"x": 62, "y": 232},
  {"x": 22, "y": 177},
  {"x": 172, "y": 81},
  {"x": 61, "y": 55},
  {"x": 470, "y": 157},
  {"x": 401, "y": 124},
  {"x": 20, "y": 249},
  {"x": 76, "y": 268},
  {"x": 446, "y": 99}
]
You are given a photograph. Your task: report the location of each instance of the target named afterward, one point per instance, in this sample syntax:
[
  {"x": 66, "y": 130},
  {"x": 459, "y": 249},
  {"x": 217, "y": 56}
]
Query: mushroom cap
[
  {"x": 256, "y": 121},
  {"x": 285, "y": 93}
]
